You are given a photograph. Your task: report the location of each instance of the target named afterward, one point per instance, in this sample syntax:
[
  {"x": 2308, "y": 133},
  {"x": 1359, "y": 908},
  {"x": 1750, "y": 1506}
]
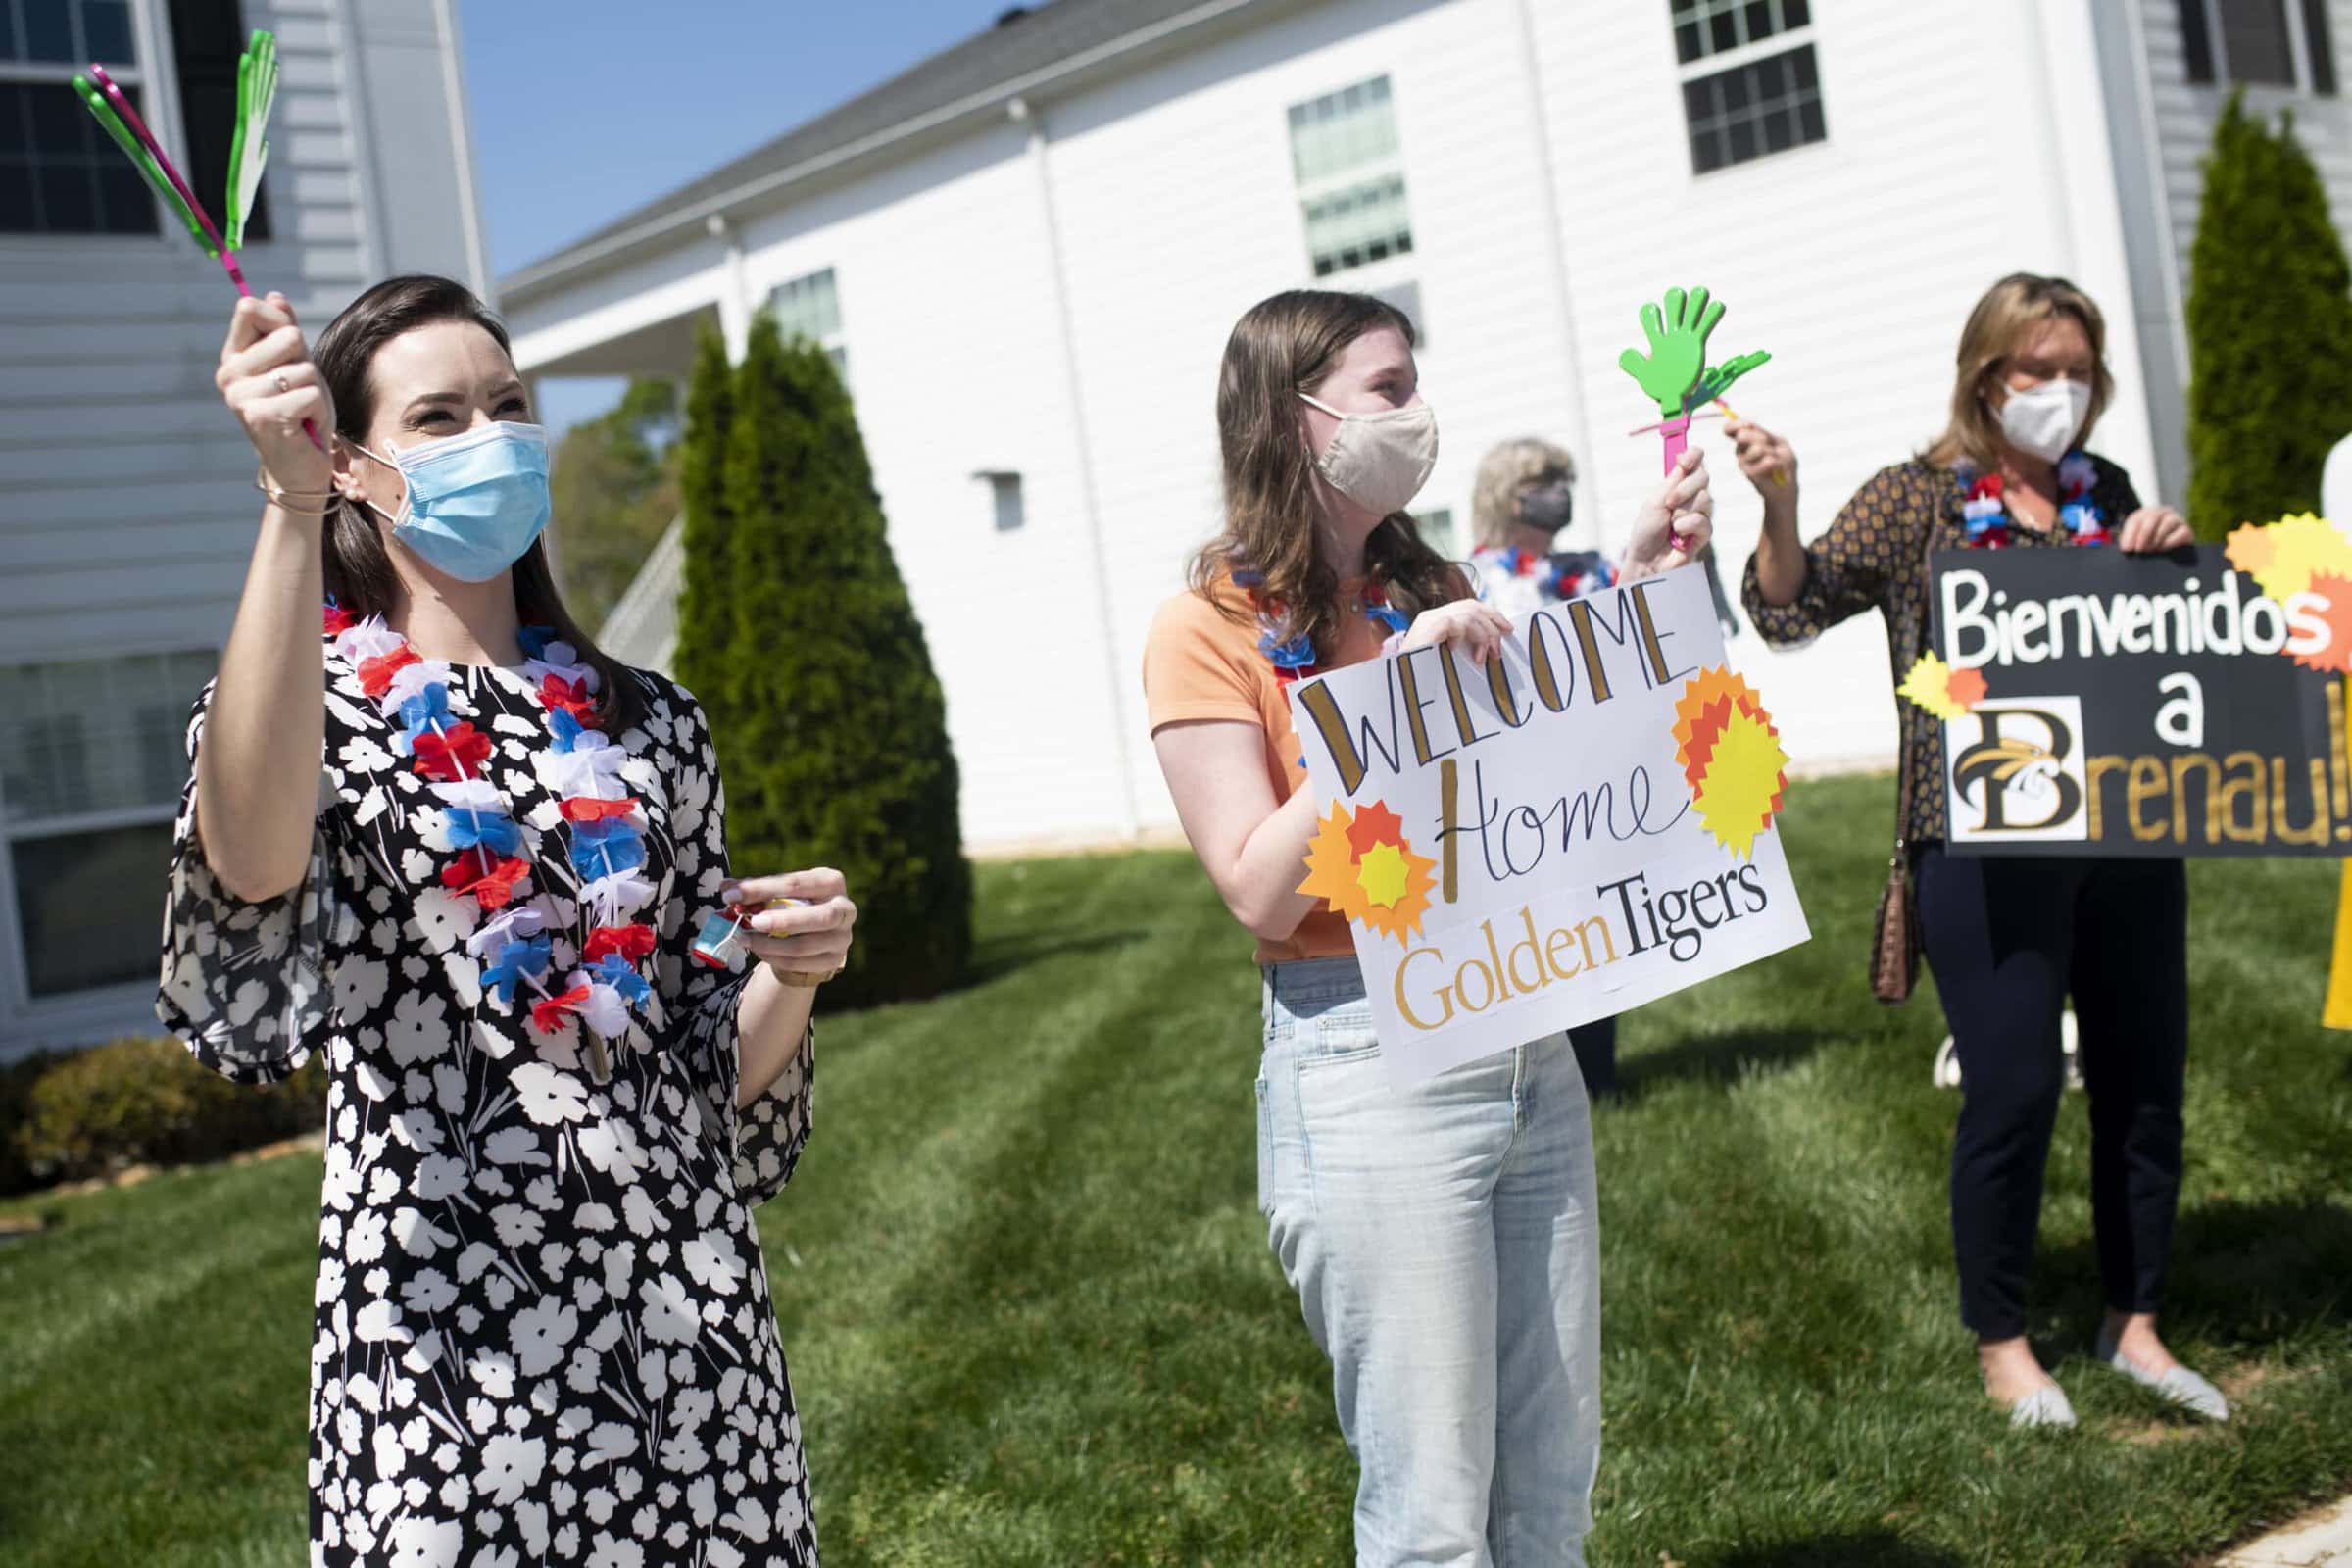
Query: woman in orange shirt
[{"x": 1442, "y": 1238}]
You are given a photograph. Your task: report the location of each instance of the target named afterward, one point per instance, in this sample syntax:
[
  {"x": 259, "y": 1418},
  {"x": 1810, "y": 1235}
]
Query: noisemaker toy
[{"x": 248, "y": 154}]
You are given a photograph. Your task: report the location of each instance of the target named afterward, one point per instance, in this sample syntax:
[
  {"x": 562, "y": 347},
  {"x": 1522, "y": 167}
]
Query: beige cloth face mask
[{"x": 1380, "y": 460}]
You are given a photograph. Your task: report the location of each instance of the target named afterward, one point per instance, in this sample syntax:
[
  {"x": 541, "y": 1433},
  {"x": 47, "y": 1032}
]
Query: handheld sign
[
  {"x": 1583, "y": 825},
  {"x": 2100, "y": 703}
]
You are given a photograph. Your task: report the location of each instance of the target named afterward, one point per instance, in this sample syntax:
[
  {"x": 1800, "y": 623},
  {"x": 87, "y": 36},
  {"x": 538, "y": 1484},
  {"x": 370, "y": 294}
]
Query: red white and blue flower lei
[
  {"x": 1985, "y": 514},
  {"x": 1294, "y": 656},
  {"x": 492, "y": 864},
  {"x": 1556, "y": 577}
]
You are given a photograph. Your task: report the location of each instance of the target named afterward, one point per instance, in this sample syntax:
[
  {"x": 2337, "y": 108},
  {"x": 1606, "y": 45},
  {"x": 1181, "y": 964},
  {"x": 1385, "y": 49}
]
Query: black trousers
[
  {"x": 2008, "y": 940},
  {"x": 1596, "y": 1048}
]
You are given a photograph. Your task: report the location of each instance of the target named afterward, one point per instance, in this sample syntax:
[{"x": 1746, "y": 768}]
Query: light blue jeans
[{"x": 1443, "y": 1243}]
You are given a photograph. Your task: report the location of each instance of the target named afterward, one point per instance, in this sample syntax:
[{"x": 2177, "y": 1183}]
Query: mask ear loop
[{"x": 406, "y": 491}]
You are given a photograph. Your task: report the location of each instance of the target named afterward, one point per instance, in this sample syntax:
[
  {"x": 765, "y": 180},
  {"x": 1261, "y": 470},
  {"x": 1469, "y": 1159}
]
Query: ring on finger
[{"x": 277, "y": 383}]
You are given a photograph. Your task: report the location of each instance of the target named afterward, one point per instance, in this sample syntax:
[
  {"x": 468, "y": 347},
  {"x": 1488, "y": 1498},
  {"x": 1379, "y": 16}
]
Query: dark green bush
[
  {"x": 706, "y": 604},
  {"x": 829, "y": 721},
  {"x": 2270, "y": 330},
  {"x": 144, "y": 1102}
]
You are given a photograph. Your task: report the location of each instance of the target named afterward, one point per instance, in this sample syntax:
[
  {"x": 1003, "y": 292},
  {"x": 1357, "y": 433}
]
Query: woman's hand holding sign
[
  {"x": 1474, "y": 628},
  {"x": 2153, "y": 530}
]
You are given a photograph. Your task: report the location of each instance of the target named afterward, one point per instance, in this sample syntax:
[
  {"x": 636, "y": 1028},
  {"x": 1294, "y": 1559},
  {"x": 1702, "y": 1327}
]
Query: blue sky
[{"x": 584, "y": 109}]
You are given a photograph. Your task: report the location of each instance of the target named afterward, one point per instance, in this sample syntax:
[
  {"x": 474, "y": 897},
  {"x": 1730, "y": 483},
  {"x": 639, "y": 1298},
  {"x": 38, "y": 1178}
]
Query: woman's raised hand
[
  {"x": 1675, "y": 524},
  {"x": 268, "y": 380},
  {"x": 1768, "y": 461},
  {"x": 1478, "y": 630}
]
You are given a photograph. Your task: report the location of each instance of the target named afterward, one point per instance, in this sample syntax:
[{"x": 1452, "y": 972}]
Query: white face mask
[
  {"x": 1380, "y": 460},
  {"x": 2044, "y": 419}
]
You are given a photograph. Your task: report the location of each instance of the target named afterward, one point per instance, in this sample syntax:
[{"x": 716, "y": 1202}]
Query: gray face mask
[{"x": 1548, "y": 506}]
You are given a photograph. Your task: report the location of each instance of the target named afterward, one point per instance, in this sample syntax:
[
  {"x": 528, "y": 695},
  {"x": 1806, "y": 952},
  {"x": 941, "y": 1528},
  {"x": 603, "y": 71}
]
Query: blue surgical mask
[{"x": 476, "y": 501}]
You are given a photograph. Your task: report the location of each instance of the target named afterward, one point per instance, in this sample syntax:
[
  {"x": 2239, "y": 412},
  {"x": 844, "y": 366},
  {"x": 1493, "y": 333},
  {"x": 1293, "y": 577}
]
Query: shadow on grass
[
  {"x": 1859, "y": 1549},
  {"x": 993, "y": 959},
  {"x": 2244, "y": 1273},
  {"x": 1714, "y": 1058}
]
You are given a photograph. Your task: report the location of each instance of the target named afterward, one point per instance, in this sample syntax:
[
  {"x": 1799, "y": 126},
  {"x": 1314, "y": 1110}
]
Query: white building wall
[{"x": 127, "y": 506}]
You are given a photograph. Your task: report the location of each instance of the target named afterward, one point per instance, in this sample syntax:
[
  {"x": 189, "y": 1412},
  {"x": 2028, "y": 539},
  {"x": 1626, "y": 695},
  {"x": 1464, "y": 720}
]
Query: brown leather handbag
[{"x": 1896, "y": 945}]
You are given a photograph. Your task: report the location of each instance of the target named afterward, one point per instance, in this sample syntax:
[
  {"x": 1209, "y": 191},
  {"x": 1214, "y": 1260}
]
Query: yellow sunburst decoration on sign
[
  {"x": 1362, "y": 865},
  {"x": 2283, "y": 557},
  {"x": 1941, "y": 690},
  {"x": 1740, "y": 792},
  {"x": 1731, "y": 756}
]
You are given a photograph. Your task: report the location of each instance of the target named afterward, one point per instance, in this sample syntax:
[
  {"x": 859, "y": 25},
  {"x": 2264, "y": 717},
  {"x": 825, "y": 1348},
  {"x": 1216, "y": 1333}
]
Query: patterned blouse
[
  {"x": 541, "y": 1331},
  {"x": 1875, "y": 557}
]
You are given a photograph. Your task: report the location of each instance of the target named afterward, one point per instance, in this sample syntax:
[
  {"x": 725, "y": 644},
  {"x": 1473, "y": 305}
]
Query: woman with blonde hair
[
  {"x": 2009, "y": 938},
  {"x": 1442, "y": 1238}
]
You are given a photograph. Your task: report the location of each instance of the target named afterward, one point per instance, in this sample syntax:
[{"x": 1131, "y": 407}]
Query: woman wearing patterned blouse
[
  {"x": 2010, "y": 938},
  {"x": 1520, "y": 504},
  {"x": 480, "y": 867}
]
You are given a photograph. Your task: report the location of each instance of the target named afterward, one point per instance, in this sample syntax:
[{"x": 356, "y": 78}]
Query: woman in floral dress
[{"x": 481, "y": 868}]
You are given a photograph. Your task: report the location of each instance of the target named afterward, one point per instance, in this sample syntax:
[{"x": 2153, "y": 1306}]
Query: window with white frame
[
  {"x": 93, "y": 758},
  {"x": 60, "y": 174},
  {"x": 1751, "y": 85},
  {"x": 2272, "y": 43},
  {"x": 1006, "y": 502},
  {"x": 1351, "y": 177},
  {"x": 1438, "y": 532},
  {"x": 809, "y": 307}
]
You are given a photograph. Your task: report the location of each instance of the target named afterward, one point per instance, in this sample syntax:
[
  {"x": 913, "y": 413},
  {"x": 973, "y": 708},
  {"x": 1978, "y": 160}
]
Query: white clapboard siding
[{"x": 2186, "y": 111}]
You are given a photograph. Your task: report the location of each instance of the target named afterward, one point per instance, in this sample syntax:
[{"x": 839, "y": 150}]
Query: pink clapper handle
[
  {"x": 163, "y": 161},
  {"x": 1673, "y": 436}
]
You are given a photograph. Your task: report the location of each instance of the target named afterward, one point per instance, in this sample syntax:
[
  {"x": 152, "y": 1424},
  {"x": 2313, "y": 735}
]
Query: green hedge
[
  {"x": 2270, "y": 330},
  {"x": 798, "y": 636},
  {"x": 65, "y": 1116}
]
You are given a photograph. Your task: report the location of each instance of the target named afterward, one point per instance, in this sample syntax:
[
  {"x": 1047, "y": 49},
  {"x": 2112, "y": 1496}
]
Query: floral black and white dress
[{"x": 542, "y": 1327}]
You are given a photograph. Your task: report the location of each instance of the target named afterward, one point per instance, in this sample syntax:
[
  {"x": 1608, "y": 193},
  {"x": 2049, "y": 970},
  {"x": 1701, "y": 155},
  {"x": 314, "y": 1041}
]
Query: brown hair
[
  {"x": 1279, "y": 348},
  {"x": 1503, "y": 473},
  {"x": 359, "y": 574},
  {"x": 2004, "y": 319}
]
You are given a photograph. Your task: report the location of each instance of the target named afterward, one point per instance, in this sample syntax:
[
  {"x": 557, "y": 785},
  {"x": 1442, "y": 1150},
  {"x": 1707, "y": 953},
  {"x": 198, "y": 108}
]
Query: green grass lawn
[{"x": 1032, "y": 1318}]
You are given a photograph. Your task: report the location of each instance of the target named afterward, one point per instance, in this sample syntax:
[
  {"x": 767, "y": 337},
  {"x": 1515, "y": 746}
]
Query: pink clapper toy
[{"x": 249, "y": 152}]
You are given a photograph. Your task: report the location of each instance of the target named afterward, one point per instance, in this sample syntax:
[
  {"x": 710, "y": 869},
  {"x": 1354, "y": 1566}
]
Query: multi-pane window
[
  {"x": 2276, "y": 43},
  {"x": 1751, "y": 85},
  {"x": 91, "y": 763},
  {"x": 1351, "y": 177},
  {"x": 59, "y": 173},
  {"x": 809, "y": 307}
]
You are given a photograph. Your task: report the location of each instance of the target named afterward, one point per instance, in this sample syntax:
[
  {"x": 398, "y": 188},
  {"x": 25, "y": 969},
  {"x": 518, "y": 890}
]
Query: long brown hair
[
  {"x": 360, "y": 573},
  {"x": 1282, "y": 347},
  {"x": 2000, "y": 325}
]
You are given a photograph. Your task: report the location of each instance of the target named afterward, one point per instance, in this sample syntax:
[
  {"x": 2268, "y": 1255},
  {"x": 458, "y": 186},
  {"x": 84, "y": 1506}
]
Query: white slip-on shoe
[
  {"x": 2045, "y": 1406},
  {"x": 2180, "y": 1386}
]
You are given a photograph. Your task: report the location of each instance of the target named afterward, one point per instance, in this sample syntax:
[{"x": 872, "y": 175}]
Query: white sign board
[{"x": 1582, "y": 825}]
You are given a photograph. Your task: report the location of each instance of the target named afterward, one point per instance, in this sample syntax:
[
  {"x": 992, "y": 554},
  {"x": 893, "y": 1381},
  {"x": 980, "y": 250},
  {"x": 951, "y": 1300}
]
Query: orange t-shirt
[{"x": 1200, "y": 664}]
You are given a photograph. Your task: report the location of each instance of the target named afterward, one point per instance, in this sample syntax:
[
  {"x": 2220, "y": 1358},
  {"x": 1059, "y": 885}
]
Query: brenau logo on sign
[{"x": 1583, "y": 825}]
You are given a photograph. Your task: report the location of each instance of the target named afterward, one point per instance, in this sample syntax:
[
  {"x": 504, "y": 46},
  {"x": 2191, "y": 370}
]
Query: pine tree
[
  {"x": 2270, "y": 330},
  {"x": 834, "y": 737},
  {"x": 706, "y": 604}
]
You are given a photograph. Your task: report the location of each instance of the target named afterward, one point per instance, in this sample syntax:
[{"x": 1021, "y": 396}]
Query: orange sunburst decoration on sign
[
  {"x": 1731, "y": 756},
  {"x": 1363, "y": 867},
  {"x": 2335, "y": 611}
]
